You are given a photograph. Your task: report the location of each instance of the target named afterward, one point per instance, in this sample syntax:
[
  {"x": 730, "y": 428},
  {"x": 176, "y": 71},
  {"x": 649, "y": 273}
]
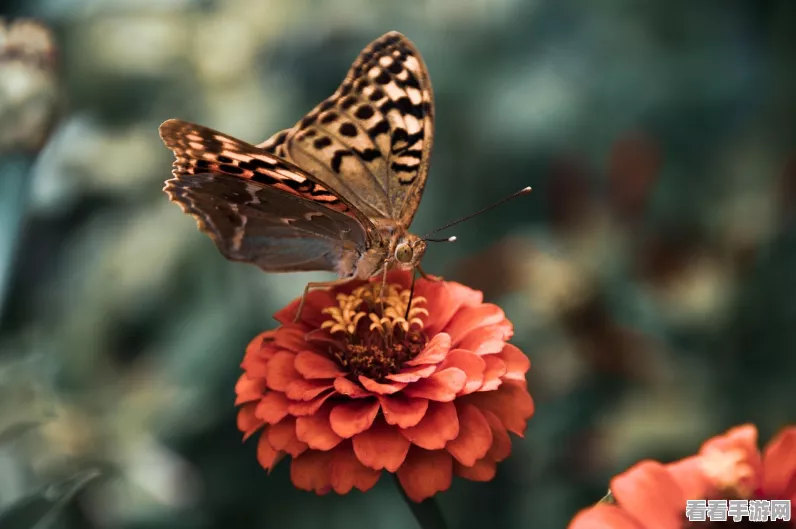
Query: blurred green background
[{"x": 650, "y": 275}]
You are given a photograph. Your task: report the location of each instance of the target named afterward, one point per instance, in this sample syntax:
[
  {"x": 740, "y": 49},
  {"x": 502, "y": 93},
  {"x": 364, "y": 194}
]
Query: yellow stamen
[
  {"x": 389, "y": 336},
  {"x": 349, "y": 311}
]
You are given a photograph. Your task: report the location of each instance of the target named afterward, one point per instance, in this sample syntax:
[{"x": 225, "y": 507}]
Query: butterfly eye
[{"x": 404, "y": 253}]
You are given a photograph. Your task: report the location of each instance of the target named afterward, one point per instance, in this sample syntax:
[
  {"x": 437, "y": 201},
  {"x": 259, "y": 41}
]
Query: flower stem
[{"x": 426, "y": 512}]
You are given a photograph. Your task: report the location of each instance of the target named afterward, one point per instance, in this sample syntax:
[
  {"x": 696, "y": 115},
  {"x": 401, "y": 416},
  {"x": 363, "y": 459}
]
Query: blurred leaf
[
  {"x": 38, "y": 510},
  {"x": 15, "y": 430}
]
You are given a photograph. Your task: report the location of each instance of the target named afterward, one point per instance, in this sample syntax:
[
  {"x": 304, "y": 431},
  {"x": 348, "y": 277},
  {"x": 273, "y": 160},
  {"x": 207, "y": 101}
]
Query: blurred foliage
[{"x": 648, "y": 275}]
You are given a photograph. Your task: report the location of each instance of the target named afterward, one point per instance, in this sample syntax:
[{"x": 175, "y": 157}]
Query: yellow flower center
[{"x": 380, "y": 328}]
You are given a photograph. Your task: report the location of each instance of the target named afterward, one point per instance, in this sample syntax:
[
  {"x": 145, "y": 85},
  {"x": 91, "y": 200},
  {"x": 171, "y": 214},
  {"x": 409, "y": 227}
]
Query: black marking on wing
[
  {"x": 364, "y": 140},
  {"x": 198, "y": 149}
]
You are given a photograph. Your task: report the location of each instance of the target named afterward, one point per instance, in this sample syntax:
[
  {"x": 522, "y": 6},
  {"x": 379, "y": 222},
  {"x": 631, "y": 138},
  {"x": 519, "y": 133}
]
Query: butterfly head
[{"x": 409, "y": 251}]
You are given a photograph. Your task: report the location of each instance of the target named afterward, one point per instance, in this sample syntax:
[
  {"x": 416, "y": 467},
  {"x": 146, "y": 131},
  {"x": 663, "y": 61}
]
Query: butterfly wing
[
  {"x": 260, "y": 208},
  {"x": 198, "y": 149},
  {"x": 275, "y": 144},
  {"x": 371, "y": 140},
  {"x": 278, "y": 231}
]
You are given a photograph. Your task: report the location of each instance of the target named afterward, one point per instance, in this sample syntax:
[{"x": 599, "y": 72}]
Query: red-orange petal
[
  {"x": 301, "y": 408},
  {"x": 280, "y": 371},
  {"x": 439, "y": 426},
  {"x": 475, "y": 436},
  {"x": 282, "y": 436},
  {"x": 482, "y": 470},
  {"x": 647, "y": 492},
  {"x": 248, "y": 423},
  {"x": 302, "y": 389},
  {"x": 470, "y": 318},
  {"x": 248, "y": 389},
  {"x": 348, "y": 473},
  {"x": 413, "y": 374},
  {"x": 266, "y": 455},
  {"x": 316, "y": 431},
  {"x": 311, "y": 471},
  {"x": 381, "y": 446},
  {"x": 435, "y": 351},
  {"x": 744, "y": 439},
  {"x": 605, "y": 516},
  {"x": 350, "y": 418},
  {"x": 689, "y": 475},
  {"x": 501, "y": 442},
  {"x": 489, "y": 339},
  {"x": 350, "y": 389},
  {"x": 256, "y": 365},
  {"x": 381, "y": 388},
  {"x": 493, "y": 373},
  {"x": 779, "y": 466},
  {"x": 401, "y": 410},
  {"x": 425, "y": 473},
  {"x": 292, "y": 338},
  {"x": 472, "y": 365},
  {"x": 313, "y": 365},
  {"x": 511, "y": 402},
  {"x": 442, "y": 386},
  {"x": 517, "y": 364},
  {"x": 272, "y": 408},
  {"x": 260, "y": 342},
  {"x": 445, "y": 300}
]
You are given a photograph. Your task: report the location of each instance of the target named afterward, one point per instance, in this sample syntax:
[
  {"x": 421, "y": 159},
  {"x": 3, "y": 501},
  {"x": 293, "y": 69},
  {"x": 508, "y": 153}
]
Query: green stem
[{"x": 426, "y": 512}]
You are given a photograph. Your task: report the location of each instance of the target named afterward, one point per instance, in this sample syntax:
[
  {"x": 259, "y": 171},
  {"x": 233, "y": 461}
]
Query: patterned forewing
[
  {"x": 198, "y": 150},
  {"x": 275, "y": 144},
  {"x": 371, "y": 140},
  {"x": 253, "y": 222}
]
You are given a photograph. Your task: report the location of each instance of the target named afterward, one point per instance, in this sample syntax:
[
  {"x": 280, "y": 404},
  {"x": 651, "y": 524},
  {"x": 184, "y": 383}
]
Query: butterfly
[{"x": 336, "y": 192}]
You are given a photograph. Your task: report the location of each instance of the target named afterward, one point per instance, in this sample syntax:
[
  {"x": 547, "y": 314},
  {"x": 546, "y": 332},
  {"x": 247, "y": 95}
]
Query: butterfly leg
[
  {"x": 317, "y": 284},
  {"x": 383, "y": 285}
]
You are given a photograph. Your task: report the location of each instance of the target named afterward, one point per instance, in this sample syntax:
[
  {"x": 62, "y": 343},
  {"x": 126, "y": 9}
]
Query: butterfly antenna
[
  {"x": 523, "y": 191},
  {"x": 449, "y": 239}
]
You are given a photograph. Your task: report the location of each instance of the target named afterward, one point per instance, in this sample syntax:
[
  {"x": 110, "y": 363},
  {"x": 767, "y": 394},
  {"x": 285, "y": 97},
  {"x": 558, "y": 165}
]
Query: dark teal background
[{"x": 650, "y": 275}]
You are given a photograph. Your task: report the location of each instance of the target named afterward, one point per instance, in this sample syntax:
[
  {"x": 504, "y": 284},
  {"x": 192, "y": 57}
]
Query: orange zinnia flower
[
  {"x": 361, "y": 385},
  {"x": 727, "y": 467}
]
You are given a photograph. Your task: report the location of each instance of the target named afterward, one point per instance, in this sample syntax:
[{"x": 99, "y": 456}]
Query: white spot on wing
[
  {"x": 412, "y": 124},
  {"x": 289, "y": 175},
  {"x": 311, "y": 214},
  {"x": 393, "y": 91},
  {"x": 414, "y": 95},
  {"x": 412, "y": 63}
]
